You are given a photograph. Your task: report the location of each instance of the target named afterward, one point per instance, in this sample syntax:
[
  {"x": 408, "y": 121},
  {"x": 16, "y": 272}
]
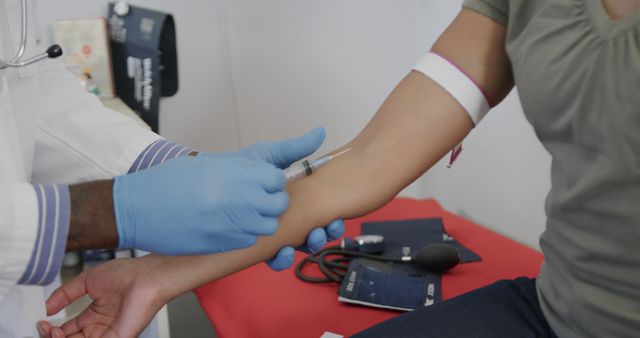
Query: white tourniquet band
[{"x": 455, "y": 82}]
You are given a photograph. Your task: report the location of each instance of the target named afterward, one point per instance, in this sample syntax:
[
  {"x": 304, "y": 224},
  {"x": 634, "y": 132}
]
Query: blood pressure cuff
[
  {"x": 415, "y": 234},
  {"x": 145, "y": 62},
  {"x": 399, "y": 286},
  {"x": 389, "y": 285}
]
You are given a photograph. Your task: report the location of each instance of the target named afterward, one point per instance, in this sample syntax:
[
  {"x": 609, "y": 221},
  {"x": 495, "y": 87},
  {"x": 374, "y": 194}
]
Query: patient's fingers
[
  {"x": 110, "y": 334},
  {"x": 87, "y": 321},
  {"x": 77, "y": 335},
  {"x": 44, "y": 329},
  {"x": 56, "y": 332},
  {"x": 66, "y": 294},
  {"x": 71, "y": 326}
]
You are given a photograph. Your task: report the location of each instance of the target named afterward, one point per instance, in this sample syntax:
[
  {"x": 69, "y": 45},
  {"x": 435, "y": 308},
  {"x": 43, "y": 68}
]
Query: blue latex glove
[
  {"x": 198, "y": 205},
  {"x": 317, "y": 239},
  {"x": 282, "y": 154}
]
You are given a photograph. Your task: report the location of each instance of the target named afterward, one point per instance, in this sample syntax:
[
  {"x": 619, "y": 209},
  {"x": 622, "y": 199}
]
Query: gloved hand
[
  {"x": 282, "y": 154},
  {"x": 198, "y": 205},
  {"x": 316, "y": 239}
]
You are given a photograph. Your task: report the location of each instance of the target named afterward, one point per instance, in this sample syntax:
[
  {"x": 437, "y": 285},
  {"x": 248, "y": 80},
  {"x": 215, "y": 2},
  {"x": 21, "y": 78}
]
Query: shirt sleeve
[
  {"x": 51, "y": 235},
  {"x": 497, "y": 10},
  {"x": 18, "y": 231},
  {"x": 77, "y": 138},
  {"x": 158, "y": 152}
]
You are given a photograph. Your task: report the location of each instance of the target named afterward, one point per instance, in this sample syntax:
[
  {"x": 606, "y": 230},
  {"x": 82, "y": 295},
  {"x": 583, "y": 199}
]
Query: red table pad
[{"x": 258, "y": 302}]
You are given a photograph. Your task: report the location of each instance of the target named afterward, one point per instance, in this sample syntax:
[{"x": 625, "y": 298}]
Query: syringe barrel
[{"x": 300, "y": 169}]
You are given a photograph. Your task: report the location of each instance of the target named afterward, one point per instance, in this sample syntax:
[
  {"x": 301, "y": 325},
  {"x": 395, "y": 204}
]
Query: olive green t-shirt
[{"x": 578, "y": 75}]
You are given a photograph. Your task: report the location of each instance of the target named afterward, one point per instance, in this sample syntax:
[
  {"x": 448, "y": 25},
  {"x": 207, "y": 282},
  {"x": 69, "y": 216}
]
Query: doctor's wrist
[{"x": 92, "y": 224}]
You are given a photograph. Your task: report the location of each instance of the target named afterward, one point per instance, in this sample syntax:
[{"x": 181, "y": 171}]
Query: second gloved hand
[{"x": 198, "y": 205}]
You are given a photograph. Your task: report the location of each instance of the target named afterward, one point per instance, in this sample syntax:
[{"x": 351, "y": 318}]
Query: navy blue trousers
[{"x": 507, "y": 308}]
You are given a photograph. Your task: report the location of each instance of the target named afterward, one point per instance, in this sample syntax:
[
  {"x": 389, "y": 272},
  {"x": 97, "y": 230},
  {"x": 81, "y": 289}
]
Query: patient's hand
[{"x": 126, "y": 294}]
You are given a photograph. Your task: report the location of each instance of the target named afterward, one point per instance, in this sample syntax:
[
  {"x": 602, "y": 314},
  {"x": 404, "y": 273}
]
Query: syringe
[{"x": 306, "y": 167}]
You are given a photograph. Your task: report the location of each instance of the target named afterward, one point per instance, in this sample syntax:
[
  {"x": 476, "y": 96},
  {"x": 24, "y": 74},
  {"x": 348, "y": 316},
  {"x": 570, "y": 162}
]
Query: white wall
[
  {"x": 202, "y": 113},
  {"x": 299, "y": 64},
  {"x": 253, "y": 70}
]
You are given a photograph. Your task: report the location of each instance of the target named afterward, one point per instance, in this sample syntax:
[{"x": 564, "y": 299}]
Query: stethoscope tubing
[{"x": 17, "y": 61}]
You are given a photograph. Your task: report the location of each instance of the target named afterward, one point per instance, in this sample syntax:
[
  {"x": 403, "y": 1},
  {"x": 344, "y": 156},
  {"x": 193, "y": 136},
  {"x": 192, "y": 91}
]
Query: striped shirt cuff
[
  {"x": 158, "y": 152},
  {"x": 51, "y": 239}
]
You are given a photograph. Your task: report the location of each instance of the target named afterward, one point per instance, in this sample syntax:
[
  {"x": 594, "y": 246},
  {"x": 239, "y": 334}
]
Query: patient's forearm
[{"x": 413, "y": 129}]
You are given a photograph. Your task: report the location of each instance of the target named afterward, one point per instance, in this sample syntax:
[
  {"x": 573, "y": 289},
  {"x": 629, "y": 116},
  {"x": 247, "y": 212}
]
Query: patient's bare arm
[{"x": 415, "y": 127}]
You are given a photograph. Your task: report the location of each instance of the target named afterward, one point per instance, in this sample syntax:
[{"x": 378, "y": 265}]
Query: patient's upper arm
[{"x": 476, "y": 44}]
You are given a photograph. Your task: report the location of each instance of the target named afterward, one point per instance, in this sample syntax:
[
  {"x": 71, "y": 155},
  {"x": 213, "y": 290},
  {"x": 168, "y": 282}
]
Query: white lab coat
[{"x": 51, "y": 131}]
